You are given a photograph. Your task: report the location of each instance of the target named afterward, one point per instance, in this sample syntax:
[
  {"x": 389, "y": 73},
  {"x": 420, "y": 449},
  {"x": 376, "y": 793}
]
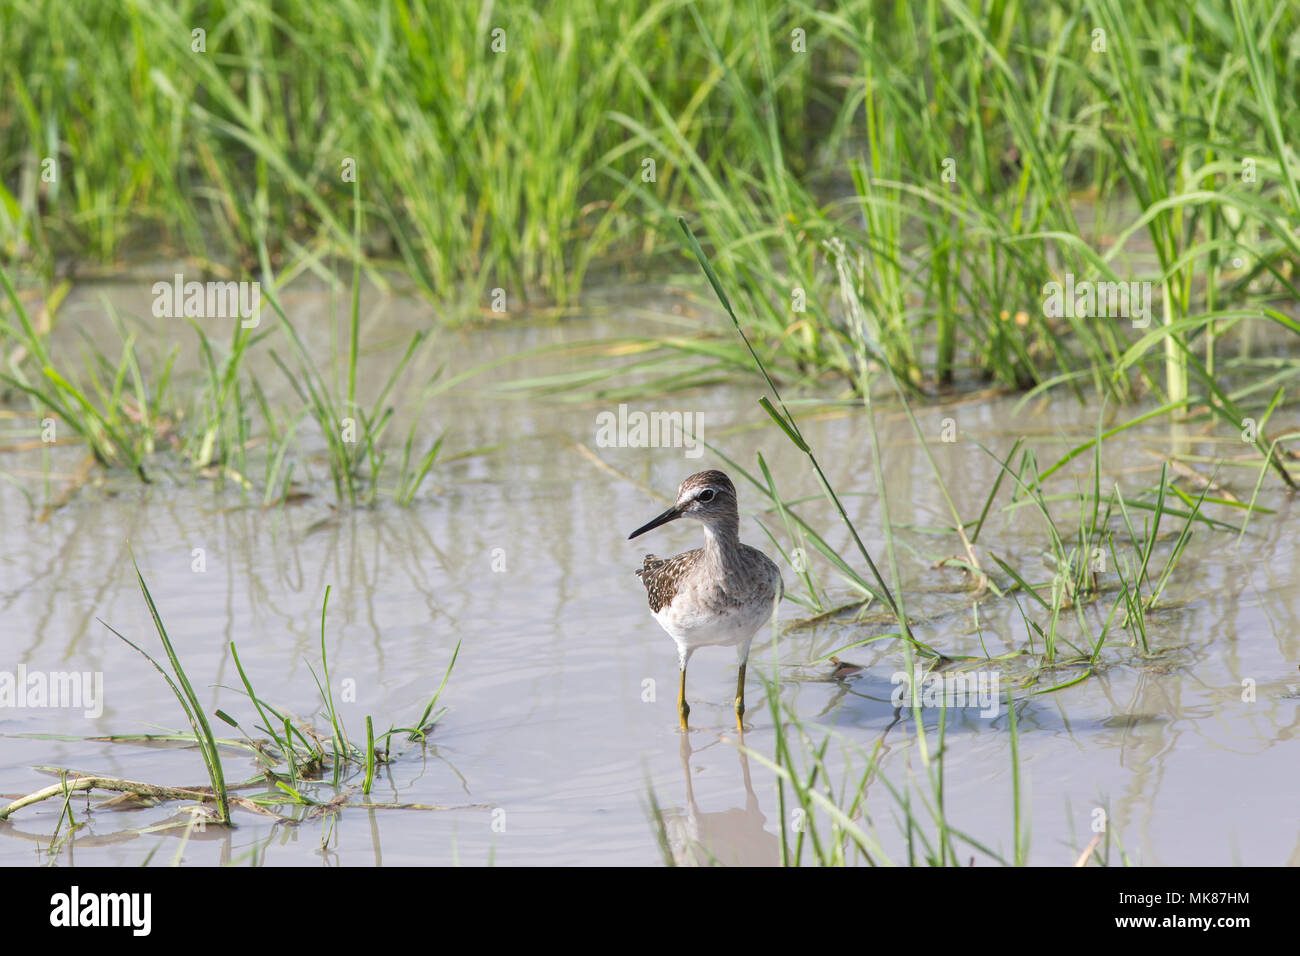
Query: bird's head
[{"x": 707, "y": 496}]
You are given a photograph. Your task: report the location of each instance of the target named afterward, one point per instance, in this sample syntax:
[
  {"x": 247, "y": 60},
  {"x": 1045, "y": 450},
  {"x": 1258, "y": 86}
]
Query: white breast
[{"x": 704, "y": 616}]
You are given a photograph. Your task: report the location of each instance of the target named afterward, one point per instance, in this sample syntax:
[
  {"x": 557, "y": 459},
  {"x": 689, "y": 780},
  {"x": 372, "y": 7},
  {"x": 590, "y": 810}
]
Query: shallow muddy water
[{"x": 549, "y": 749}]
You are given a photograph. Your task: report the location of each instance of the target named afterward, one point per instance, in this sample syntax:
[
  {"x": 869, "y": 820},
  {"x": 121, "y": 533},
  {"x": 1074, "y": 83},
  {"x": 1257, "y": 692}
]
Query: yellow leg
[
  {"x": 740, "y": 697},
  {"x": 683, "y": 708}
]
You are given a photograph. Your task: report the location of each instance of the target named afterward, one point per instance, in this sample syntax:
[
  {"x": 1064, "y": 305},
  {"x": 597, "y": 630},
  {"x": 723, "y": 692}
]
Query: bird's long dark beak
[{"x": 672, "y": 514}]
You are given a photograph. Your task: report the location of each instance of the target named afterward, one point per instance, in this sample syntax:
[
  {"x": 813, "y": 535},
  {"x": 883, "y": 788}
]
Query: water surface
[{"x": 549, "y": 750}]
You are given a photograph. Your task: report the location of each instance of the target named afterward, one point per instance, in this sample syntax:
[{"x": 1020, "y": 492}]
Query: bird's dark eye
[{"x": 706, "y": 495}]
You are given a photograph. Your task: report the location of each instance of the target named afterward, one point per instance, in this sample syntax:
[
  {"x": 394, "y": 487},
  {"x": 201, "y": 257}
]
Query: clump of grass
[
  {"x": 300, "y": 758},
  {"x": 292, "y": 754},
  {"x": 186, "y": 697},
  {"x": 1082, "y": 561},
  {"x": 834, "y": 826},
  {"x": 986, "y": 135},
  {"x": 127, "y": 412},
  {"x": 485, "y": 153},
  {"x": 97, "y": 409},
  {"x": 353, "y": 435},
  {"x": 221, "y": 436}
]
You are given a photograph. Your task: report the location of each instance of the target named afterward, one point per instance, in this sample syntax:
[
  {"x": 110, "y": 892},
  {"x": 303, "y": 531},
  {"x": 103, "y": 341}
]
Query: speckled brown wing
[{"x": 660, "y": 577}]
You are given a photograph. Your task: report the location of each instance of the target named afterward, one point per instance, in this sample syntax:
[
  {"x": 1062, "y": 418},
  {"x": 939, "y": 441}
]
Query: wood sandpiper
[{"x": 720, "y": 594}]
